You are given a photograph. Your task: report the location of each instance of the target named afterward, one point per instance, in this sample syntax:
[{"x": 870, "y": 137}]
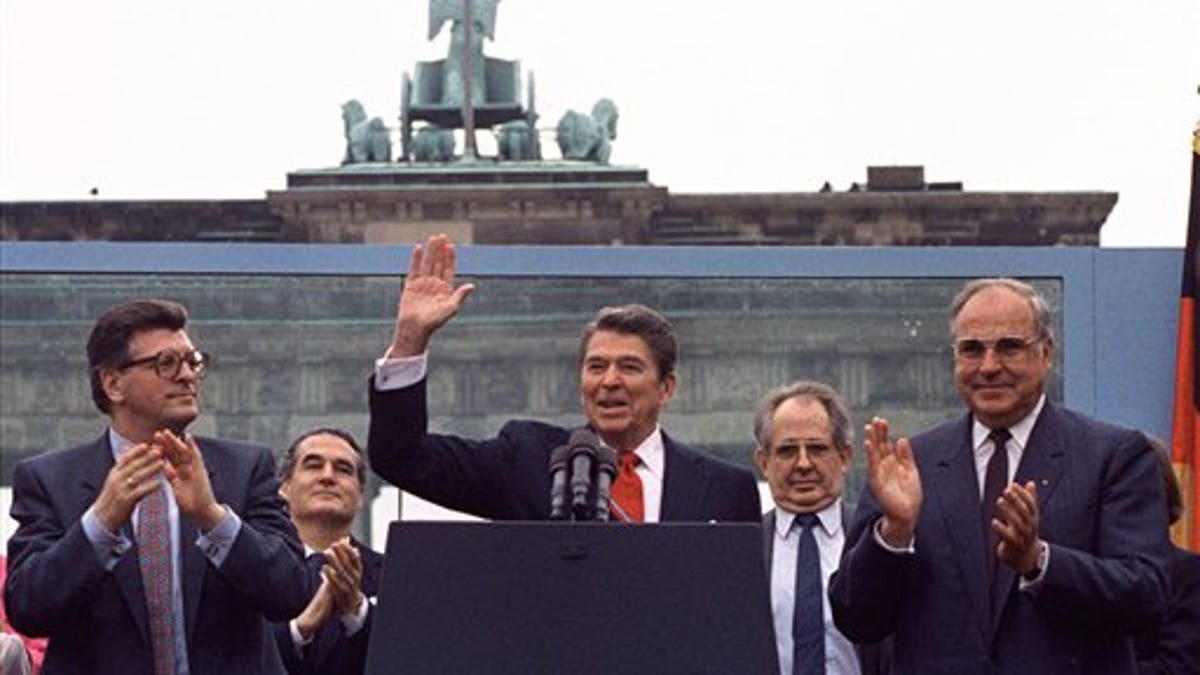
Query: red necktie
[
  {"x": 154, "y": 558},
  {"x": 627, "y": 489}
]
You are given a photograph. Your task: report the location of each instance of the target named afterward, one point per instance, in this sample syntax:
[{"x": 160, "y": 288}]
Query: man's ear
[
  {"x": 847, "y": 456},
  {"x": 668, "y": 388},
  {"x": 110, "y": 380},
  {"x": 760, "y": 460}
]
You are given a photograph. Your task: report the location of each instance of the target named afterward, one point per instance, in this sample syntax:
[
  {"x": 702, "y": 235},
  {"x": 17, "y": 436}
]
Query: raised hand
[
  {"x": 1017, "y": 526},
  {"x": 895, "y": 482},
  {"x": 429, "y": 298},
  {"x": 134, "y": 476},
  {"x": 188, "y": 477}
]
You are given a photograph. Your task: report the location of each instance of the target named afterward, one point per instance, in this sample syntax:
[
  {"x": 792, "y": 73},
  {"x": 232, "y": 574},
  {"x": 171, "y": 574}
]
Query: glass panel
[{"x": 290, "y": 353}]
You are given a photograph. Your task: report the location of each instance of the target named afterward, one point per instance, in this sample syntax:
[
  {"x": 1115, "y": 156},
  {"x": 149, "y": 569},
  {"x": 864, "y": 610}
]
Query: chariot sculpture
[{"x": 466, "y": 90}]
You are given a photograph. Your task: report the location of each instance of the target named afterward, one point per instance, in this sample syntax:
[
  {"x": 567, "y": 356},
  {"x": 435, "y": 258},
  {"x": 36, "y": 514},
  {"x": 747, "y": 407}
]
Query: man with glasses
[
  {"x": 803, "y": 436},
  {"x": 1022, "y": 537},
  {"x": 150, "y": 550}
]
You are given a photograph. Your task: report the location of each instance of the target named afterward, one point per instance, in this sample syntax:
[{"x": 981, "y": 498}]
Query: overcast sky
[{"x": 160, "y": 99}]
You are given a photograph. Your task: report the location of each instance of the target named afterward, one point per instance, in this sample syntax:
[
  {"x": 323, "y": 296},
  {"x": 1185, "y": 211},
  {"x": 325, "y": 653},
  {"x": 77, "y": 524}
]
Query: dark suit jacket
[
  {"x": 1173, "y": 645},
  {"x": 507, "y": 477},
  {"x": 331, "y": 652},
  {"x": 1101, "y": 513},
  {"x": 874, "y": 658},
  {"x": 97, "y": 621}
]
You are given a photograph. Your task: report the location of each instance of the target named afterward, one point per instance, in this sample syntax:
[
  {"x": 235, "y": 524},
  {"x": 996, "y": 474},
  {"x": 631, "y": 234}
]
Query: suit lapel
[
  {"x": 684, "y": 484},
  {"x": 1041, "y": 463},
  {"x": 126, "y": 573},
  {"x": 954, "y": 491},
  {"x": 768, "y": 528},
  {"x": 194, "y": 563}
]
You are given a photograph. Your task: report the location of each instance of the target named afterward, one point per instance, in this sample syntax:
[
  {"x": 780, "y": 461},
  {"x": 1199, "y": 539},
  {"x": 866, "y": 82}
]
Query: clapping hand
[{"x": 895, "y": 482}]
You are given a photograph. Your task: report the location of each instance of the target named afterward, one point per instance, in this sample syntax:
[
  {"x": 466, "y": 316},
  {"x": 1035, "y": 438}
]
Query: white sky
[{"x": 150, "y": 99}]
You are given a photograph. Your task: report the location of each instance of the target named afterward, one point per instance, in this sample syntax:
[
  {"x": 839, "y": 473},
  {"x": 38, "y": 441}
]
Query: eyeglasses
[
  {"x": 1006, "y": 348},
  {"x": 816, "y": 451},
  {"x": 167, "y": 364}
]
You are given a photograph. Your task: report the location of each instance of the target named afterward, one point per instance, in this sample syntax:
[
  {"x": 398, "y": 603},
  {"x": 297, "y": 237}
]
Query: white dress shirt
[{"x": 840, "y": 655}]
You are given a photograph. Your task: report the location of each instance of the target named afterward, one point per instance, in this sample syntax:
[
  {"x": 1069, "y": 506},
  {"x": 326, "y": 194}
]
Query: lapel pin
[{"x": 1045, "y": 482}]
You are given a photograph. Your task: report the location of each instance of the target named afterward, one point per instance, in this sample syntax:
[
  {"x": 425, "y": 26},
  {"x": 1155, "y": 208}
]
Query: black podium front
[{"x": 535, "y": 598}]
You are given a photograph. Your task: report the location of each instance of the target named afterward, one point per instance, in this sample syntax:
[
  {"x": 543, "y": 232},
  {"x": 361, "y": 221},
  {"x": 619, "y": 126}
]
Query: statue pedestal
[{"x": 482, "y": 202}]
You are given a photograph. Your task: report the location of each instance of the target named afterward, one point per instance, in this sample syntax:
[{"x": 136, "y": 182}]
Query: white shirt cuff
[
  {"x": 216, "y": 542},
  {"x": 875, "y": 531},
  {"x": 299, "y": 640},
  {"x": 398, "y": 373},
  {"x": 352, "y": 623},
  {"x": 109, "y": 547},
  {"x": 1043, "y": 564}
]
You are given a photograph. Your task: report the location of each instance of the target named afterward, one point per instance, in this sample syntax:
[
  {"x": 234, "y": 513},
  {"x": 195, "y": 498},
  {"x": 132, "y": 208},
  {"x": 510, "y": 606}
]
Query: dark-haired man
[
  {"x": 627, "y": 376},
  {"x": 323, "y": 473},
  {"x": 149, "y": 550}
]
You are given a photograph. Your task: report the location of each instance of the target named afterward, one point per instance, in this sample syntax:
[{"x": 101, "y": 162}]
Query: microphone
[
  {"x": 559, "y": 459},
  {"x": 606, "y": 471},
  {"x": 583, "y": 451}
]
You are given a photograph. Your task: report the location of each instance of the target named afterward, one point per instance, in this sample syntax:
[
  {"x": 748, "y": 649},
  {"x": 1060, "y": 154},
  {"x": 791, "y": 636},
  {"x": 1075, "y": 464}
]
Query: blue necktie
[{"x": 808, "y": 622}]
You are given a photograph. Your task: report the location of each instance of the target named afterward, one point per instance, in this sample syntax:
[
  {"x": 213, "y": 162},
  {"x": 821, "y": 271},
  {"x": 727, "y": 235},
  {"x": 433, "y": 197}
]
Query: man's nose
[
  {"x": 990, "y": 361},
  {"x": 803, "y": 461},
  {"x": 611, "y": 377},
  {"x": 186, "y": 372}
]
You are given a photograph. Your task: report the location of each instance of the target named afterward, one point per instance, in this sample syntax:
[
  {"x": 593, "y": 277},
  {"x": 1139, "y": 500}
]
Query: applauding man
[
  {"x": 323, "y": 475},
  {"x": 149, "y": 550},
  {"x": 1023, "y": 537}
]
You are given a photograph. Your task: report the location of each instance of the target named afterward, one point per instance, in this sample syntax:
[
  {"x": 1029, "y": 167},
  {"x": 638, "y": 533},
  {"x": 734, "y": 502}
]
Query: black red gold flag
[{"x": 1185, "y": 426}]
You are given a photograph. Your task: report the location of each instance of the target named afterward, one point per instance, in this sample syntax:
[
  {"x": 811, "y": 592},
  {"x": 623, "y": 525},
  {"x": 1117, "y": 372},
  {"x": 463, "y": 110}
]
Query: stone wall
[
  {"x": 293, "y": 353},
  {"x": 576, "y": 204}
]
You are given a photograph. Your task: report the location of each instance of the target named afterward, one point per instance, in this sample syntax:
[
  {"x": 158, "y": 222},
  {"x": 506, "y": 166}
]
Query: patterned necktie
[
  {"x": 154, "y": 559},
  {"x": 995, "y": 478},
  {"x": 808, "y": 621},
  {"x": 627, "y": 488}
]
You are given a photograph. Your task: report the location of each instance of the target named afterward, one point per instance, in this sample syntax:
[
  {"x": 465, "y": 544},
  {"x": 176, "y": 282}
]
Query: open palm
[
  {"x": 892, "y": 473},
  {"x": 429, "y": 298}
]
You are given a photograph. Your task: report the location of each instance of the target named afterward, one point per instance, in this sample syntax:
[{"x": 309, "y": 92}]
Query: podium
[{"x": 578, "y": 598}]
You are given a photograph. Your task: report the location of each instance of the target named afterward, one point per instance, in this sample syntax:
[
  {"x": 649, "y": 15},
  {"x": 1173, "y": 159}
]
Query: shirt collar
[
  {"x": 1020, "y": 431},
  {"x": 651, "y": 452},
  {"x": 117, "y": 442},
  {"x": 830, "y": 518}
]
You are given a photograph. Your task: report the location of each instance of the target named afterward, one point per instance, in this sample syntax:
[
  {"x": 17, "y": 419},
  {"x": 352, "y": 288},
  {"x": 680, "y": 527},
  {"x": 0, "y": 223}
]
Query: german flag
[{"x": 1185, "y": 427}]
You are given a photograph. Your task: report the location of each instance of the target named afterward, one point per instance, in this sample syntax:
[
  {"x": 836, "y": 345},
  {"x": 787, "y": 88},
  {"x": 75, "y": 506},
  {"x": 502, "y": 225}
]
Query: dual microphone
[{"x": 581, "y": 477}]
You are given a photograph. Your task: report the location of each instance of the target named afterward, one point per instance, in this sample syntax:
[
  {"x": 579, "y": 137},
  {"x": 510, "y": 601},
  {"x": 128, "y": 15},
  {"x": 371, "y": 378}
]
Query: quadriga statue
[
  {"x": 433, "y": 144},
  {"x": 367, "y": 140},
  {"x": 582, "y": 137},
  {"x": 518, "y": 140}
]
